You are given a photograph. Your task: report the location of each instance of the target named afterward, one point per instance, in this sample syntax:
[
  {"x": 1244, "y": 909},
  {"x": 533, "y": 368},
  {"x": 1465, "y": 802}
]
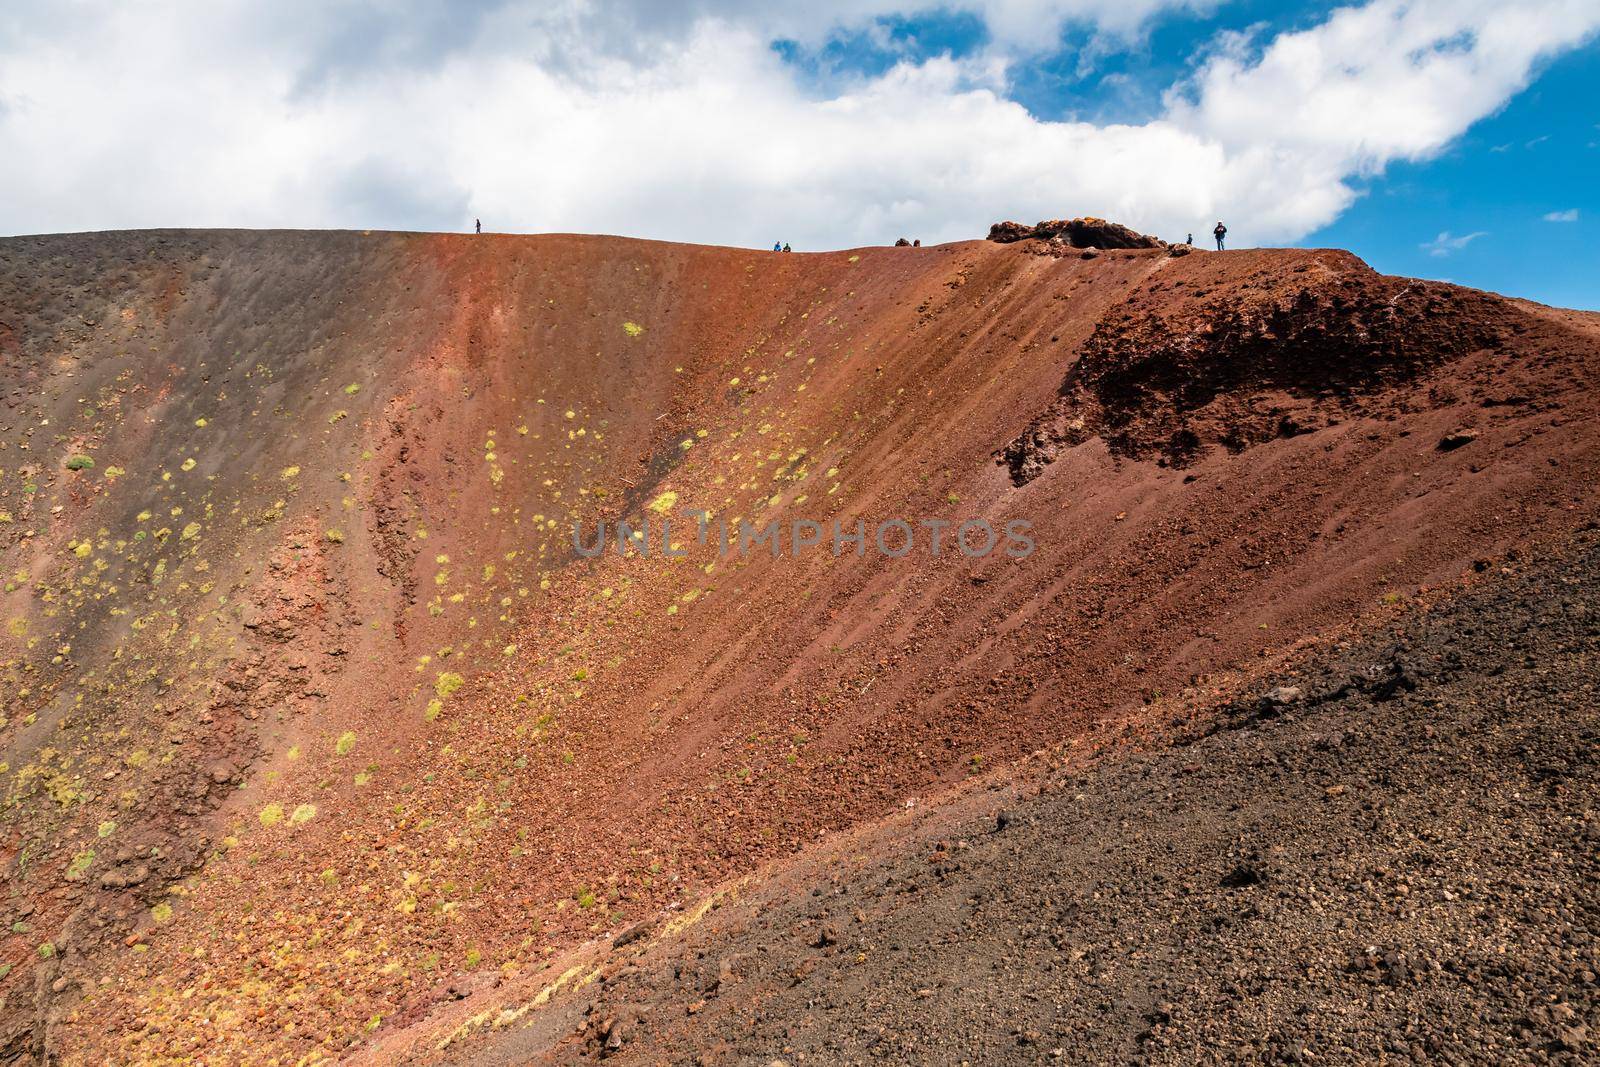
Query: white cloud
[
  {"x": 1569, "y": 215},
  {"x": 678, "y": 121},
  {"x": 1448, "y": 244},
  {"x": 1391, "y": 80}
]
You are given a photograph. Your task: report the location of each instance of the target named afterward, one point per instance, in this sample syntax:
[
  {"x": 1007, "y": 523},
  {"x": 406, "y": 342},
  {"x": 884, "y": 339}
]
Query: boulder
[{"x": 1006, "y": 232}]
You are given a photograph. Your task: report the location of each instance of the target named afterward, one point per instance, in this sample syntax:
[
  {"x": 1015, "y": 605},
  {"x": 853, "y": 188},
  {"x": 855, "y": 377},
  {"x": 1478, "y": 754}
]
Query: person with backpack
[
  {"x": 477, "y": 225},
  {"x": 1219, "y": 233}
]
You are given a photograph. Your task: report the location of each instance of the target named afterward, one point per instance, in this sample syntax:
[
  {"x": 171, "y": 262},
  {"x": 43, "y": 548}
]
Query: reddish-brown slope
[{"x": 611, "y": 735}]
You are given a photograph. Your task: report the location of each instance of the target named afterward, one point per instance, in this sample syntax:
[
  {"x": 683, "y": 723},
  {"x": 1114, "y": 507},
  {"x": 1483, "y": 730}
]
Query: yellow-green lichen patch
[{"x": 80, "y": 865}]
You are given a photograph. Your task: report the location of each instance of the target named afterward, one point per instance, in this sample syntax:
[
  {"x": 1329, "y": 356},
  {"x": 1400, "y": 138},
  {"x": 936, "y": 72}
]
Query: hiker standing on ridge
[
  {"x": 1219, "y": 233},
  {"x": 477, "y": 225},
  {"x": 1189, "y": 240}
]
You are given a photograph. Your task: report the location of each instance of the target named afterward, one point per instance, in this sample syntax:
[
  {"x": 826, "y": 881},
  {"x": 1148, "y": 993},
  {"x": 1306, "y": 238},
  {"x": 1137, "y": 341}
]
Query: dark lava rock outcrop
[
  {"x": 1087, "y": 232},
  {"x": 1238, "y": 365}
]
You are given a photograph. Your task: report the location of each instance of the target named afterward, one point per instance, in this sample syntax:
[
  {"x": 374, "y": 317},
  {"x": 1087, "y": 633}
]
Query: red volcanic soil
[{"x": 315, "y": 721}]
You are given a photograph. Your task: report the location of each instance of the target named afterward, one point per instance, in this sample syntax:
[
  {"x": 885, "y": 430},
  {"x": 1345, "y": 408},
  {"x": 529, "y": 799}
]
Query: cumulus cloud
[
  {"x": 1014, "y": 25},
  {"x": 679, "y": 120}
]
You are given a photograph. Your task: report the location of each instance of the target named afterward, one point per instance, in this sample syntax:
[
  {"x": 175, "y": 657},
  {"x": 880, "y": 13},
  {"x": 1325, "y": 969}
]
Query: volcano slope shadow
[{"x": 319, "y": 731}]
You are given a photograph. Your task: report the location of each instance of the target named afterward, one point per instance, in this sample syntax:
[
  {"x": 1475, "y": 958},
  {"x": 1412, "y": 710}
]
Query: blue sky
[
  {"x": 1432, "y": 137},
  {"x": 1512, "y": 205},
  {"x": 1539, "y": 157}
]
